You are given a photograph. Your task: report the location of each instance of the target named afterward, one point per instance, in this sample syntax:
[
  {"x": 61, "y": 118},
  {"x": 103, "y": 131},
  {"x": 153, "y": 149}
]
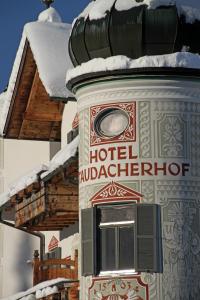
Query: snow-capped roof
[
  {"x": 48, "y": 39},
  {"x": 39, "y": 287},
  {"x": 97, "y": 9},
  {"x": 62, "y": 156},
  {"x": 119, "y": 62}
]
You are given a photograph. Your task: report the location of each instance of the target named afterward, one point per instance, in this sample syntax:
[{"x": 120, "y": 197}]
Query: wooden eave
[
  {"x": 32, "y": 114},
  {"x": 50, "y": 205}
]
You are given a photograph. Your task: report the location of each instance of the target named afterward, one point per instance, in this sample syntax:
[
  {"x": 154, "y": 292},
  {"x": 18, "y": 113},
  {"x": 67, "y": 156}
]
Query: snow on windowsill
[{"x": 120, "y": 62}]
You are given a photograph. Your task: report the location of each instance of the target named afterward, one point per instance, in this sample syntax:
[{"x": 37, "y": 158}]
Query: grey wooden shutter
[
  {"x": 148, "y": 238},
  {"x": 88, "y": 241},
  {"x": 56, "y": 253}
]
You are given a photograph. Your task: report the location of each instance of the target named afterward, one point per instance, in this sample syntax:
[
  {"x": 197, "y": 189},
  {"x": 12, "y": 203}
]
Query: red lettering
[
  {"x": 109, "y": 171},
  {"x": 81, "y": 177},
  {"x": 130, "y": 153},
  {"x": 121, "y": 169},
  {"x": 112, "y": 150},
  {"x": 146, "y": 168},
  {"x": 93, "y": 156},
  {"x": 134, "y": 169},
  {"x": 102, "y": 172},
  {"x": 102, "y": 154},
  {"x": 93, "y": 173},
  {"x": 121, "y": 152},
  {"x": 162, "y": 168}
]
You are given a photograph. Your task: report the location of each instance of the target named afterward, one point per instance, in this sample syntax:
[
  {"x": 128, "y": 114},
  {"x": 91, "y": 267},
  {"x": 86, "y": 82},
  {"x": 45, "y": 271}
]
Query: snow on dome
[
  {"x": 49, "y": 15},
  {"x": 97, "y": 9},
  {"x": 119, "y": 62}
]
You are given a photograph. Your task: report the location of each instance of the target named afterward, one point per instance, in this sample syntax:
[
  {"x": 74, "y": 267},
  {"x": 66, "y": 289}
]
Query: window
[
  {"x": 111, "y": 122},
  {"x": 122, "y": 238},
  {"x": 115, "y": 235}
]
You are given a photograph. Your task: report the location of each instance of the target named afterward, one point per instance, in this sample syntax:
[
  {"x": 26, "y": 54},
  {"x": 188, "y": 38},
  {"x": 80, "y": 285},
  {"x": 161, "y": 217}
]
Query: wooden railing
[{"x": 54, "y": 268}]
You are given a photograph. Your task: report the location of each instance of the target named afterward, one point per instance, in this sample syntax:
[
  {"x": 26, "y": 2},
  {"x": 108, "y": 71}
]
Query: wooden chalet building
[{"x": 46, "y": 199}]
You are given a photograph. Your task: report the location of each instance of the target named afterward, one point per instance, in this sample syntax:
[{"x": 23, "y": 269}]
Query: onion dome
[{"x": 135, "y": 28}]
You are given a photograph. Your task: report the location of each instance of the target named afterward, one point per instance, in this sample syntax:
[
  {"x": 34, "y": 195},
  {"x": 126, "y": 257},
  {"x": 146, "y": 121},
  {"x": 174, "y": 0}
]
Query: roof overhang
[{"x": 32, "y": 115}]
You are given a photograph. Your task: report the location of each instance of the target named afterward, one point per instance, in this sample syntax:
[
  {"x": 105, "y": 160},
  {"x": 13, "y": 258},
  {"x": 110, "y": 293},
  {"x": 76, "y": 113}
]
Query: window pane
[
  {"x": 126, "y": 248},
  {"x": 117, "y": 213},
  {"x": 107, "y": 251}
]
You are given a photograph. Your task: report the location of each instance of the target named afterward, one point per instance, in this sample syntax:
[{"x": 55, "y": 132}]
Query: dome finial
[{"x": 48, "y": 2}]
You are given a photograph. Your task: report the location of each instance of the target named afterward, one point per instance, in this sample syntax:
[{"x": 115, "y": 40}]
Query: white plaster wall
[
  {"x": 68, "y": 117},
  {"x": 167, "y": 131},
  {"x": 19, "y": 158}
]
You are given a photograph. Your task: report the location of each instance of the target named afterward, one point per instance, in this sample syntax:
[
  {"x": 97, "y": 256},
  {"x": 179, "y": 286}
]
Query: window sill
[{"x": 118, "y": 273}]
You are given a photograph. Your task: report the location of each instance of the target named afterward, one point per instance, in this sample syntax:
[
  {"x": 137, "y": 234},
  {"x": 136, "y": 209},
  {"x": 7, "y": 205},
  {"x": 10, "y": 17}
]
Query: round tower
[{"x": 137, "y": 84}]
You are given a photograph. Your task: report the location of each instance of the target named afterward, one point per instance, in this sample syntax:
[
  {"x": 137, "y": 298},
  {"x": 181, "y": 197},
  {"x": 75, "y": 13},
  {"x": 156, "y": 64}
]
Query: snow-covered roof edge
[
  {"x": 55, "y": 87},
  {"x": 120, "y": 62},
  {"x": 22, "y": 183},
  {"x": 61, "y": 157}
]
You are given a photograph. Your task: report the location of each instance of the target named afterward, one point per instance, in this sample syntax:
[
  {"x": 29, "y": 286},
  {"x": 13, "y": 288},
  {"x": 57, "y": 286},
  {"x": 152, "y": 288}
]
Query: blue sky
[{"x": 14, "y": 14}]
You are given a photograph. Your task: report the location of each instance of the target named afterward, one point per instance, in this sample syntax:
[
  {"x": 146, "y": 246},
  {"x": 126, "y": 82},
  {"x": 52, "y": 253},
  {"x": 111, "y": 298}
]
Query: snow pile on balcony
[
  {"x": 97, "y": 9},
  {"x": 22, "y": 183},
  {"x": 41, "y": 171},
  {"x": 120, "y": 62},
  {"x": 38, "y": 287},
  {"x": 62, "y": 156},
  {"x": 46, "y": 292},
  {"x": 26, "y": 180},
  {"x": 48, "y": 39}
]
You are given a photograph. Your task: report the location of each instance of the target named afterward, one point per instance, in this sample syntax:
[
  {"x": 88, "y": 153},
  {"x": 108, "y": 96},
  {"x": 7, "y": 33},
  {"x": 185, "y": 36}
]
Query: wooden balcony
[
  {"x": 51, "y": 207},
  {"x": 44, "y": 270}
]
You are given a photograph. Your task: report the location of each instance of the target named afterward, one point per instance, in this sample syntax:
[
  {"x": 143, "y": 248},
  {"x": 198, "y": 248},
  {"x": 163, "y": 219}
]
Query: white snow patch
[
  {"x": 26, "y": 180},
  {"x": 41, "y": 171},
  {"x": 46, "y": 292},
  {"x": 49, "y": 44},
  {"x": 179, "y": 59},
  {"x": 49, "y": 15},
  {"x": 22, "y": 183},
  {"x": 97, "y": 9},
  {"x": 62, "y": 156},
  {"x": 38, "y": 287}
]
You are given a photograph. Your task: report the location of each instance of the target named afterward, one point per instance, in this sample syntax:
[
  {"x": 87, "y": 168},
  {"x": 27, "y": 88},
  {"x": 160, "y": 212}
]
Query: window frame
[{"x": 153, "y": 259}]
